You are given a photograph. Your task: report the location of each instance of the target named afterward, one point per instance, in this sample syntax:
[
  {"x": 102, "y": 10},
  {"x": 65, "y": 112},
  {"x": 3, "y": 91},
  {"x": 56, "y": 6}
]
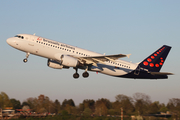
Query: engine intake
[{"x": 54, "y": 64}]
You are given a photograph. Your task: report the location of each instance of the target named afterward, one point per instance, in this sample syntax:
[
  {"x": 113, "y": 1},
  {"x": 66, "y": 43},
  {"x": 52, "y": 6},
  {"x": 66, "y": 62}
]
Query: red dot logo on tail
[
  {"x": 145, "y": 63},
  {"x": 157, "y": 65},
  {"x": 149, "y": 60},
  {"x": 151, "y": 65},
  {"x": 152, "y": 57}
]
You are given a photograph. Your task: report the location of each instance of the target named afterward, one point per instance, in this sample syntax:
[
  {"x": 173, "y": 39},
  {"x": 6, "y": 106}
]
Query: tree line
[{"x": 138, "y": 104}]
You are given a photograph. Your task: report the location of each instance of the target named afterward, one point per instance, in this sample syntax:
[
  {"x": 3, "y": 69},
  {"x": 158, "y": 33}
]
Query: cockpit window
[{"x": 19, "y": 36}]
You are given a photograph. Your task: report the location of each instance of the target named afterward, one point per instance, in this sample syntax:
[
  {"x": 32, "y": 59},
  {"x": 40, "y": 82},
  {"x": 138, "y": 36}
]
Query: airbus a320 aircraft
[{"x": 62, "y": 55}]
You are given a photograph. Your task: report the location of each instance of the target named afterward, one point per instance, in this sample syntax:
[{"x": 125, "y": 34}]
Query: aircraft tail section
[{"x": 155, "y": 61}]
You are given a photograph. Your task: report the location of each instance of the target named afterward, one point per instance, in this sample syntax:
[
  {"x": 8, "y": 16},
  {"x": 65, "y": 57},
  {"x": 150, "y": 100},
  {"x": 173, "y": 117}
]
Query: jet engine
[
  {"x": 54, "y": 64},
  {"x": 69, "y": 61}
]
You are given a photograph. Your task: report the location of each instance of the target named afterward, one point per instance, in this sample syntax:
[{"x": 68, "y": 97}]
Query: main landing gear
[
  {"x": 76, "y": 75},
  {"x": 85, "y": 74},
  {"x": 26, "y": 59}
]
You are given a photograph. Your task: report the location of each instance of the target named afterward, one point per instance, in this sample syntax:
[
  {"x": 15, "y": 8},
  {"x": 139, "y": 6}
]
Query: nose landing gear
[{"x": 26, "y": 59}]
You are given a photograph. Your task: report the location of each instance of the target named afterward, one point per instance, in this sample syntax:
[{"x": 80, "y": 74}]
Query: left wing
[{"x": 100, "y": 59}]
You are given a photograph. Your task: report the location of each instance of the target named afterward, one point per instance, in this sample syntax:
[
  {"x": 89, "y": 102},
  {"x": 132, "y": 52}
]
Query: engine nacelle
[
  {"x": 69, "y": 61},
  {"x": 54, "y": 64}
]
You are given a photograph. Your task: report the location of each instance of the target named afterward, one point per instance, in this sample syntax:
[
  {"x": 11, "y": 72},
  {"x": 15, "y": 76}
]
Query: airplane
[{"x": 64, "y": 56}]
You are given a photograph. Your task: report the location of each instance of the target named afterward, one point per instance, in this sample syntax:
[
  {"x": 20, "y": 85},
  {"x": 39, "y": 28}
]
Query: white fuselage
[{"x": 53, "y": 50}]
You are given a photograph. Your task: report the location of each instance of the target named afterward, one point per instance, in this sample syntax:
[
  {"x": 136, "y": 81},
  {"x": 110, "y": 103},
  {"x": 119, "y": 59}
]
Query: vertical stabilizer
[{"x": 155, "y": 61}]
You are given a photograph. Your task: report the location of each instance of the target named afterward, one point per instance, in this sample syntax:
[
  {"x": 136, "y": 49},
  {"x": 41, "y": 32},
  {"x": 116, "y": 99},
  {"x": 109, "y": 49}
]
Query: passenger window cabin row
[
  {"x": 125, "y": 66},
  {"x": 55, "y": 46}
]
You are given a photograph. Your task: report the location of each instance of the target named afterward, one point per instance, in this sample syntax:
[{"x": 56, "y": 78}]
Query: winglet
[{"x": 128, "y": 55}]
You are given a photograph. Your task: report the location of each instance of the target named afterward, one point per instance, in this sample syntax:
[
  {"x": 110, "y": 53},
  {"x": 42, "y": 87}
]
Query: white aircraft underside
[{"x": 62, "y": 55}]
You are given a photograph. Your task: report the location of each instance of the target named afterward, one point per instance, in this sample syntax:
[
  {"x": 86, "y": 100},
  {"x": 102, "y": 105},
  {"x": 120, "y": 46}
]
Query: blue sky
[{"x": 111, "y": 27}]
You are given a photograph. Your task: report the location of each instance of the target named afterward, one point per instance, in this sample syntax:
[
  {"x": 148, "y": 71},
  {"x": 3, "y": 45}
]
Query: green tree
[
  {"x": 57, "y": 106},
  {"x": 24, "y": 104},
  {"x": 43, "y": 103},
  {"x": 113, "y": 112},
  {"x": 142, "y": 102},
  {"x": 32, "y": 103},
  {"x": 87, "y": 111},
  {"x": 126, "y": 103},
  {"x": 69, "y": 108},
  {"x": 81, "y": 107},
  {"x": 154, "y": 107},
  {"x": 64, "y": 113},
  {"x": 117, "y": 107},
  {"x": 174, "y": 106},
  {"x": 69, "y": 102},
  {"x": 15, "y": 103},
  {"x": 101, "y": 106},
  {"x": 163, "y": 108},
  {"x": 87, "y": 104},
  {"x": 40, "y": 104},
  {"x": 64, "y": 103},
  {"x": 4, "y": 100}
]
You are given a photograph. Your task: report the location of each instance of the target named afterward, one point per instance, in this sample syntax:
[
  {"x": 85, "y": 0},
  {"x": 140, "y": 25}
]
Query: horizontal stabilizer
[{"x": 161, "y": 73}]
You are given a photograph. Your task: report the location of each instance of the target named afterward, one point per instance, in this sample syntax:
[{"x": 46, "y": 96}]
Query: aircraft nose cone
[{"x": 8, "y": 41}]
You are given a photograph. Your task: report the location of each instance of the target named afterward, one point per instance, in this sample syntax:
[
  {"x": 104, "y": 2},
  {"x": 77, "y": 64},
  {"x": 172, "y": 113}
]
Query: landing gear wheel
[
  {"x": 85, "y": 74},
  {"x": 76, "y": 75},
  {"x": 25, "y": 60},
  {"x": 27, "y": 55}
]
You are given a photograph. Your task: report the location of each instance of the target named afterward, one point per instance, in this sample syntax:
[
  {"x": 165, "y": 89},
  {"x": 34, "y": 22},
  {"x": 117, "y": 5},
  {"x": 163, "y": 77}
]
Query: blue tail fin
[{"x": 155, "y": 61}]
